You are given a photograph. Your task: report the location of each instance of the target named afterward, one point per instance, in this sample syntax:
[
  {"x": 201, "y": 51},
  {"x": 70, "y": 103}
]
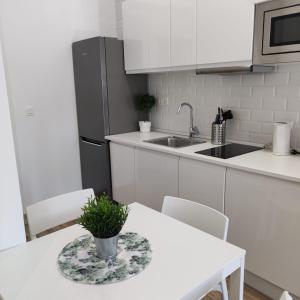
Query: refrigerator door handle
[{"x": 92, "y": 142}]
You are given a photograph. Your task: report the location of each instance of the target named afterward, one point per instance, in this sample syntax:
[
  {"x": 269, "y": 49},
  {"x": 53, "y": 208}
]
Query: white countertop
[{"x": 261, "y": 162}]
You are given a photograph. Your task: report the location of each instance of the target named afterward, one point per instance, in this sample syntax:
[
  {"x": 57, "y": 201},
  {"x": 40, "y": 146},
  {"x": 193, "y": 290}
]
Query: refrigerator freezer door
[
  {"x": 91, "y": 89},
  {"x": 121, "y": 90},
  {"x": 95, "y": 166}
]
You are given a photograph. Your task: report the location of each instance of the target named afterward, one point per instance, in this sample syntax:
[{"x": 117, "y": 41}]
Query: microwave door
[{"x": 282, "y": 31}]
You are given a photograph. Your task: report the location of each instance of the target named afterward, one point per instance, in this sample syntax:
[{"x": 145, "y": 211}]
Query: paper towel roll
[{"x": 282, "y": 138}]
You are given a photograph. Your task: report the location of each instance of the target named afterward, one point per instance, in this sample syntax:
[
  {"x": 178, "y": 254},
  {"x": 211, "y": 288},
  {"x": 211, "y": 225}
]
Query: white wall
[
  {"x": 37, "y": 37},
  {"x": 257, "y": 100},
  {"x": 11, "y": 215}
]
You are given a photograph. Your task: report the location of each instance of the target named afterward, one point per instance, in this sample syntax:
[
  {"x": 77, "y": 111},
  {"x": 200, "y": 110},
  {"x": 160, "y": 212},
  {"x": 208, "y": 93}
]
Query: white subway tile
[
  {"x": 241, "y": 91},
  {"x": 263, "y": 139},
  {"x": 263, "y": 91},
  {"x": 252, "y": 79},
  {"x": 291, "y": 67},
  {"x": 251, "y": 103},
  {"x": 250, "y": 126},
  {"x": 267, "y": 128},
  {"x": 200, "y": 80},
  {"x": 212, "y": 80},
  {"x": 229, "y": 102},
  {"x": 294, "y": 78},
  {"x": 163, "y": 101},
  {"x": 256, "y": 100},
  {"x": 293, "y": 104},
  {"x": 212, "y": 101},
  {"x": 239, "y": 136},
  {"x": 296, "y": 137},
  {"x": 262, "y": 116},
  {"x": 241, "y": 114},
  {"x": 232, "y": 79},
  {"x": 284, "y": 116},
  {"x": 222, "y": 91},
  {"x": 276, "y": 78},
  {"x": 273, "y": 103},
  {"x": 287, "y": 91}
]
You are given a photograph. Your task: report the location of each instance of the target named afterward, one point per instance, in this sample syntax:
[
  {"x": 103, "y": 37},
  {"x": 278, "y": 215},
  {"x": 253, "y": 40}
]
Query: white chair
[
  {"x": 286, "y": 296},
  {"x": 56, "y": 211},
  {"x": 201, "y": 217}
]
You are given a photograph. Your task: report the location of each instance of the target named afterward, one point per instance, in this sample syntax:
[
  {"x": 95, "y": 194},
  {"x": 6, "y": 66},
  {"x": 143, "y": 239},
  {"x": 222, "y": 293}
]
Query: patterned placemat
[{"x": 78, "y": 261}]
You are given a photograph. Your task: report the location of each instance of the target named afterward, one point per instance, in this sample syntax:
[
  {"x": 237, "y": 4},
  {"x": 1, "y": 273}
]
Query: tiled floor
[{"x": 250, "y": 294}]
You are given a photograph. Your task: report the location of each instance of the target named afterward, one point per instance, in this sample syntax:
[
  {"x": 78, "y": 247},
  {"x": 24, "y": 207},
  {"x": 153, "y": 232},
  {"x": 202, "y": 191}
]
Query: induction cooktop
[{"x": 229, "y": 150}]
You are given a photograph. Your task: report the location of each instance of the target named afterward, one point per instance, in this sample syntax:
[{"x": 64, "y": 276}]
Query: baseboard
[{"x": 265, "y": 287}]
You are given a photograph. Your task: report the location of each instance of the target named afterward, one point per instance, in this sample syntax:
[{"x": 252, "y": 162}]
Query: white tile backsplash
[{"x": 257, "y": 100}]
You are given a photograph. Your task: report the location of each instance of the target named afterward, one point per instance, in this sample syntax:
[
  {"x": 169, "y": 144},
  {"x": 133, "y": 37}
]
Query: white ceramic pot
[{"x": 145, "y": 126}]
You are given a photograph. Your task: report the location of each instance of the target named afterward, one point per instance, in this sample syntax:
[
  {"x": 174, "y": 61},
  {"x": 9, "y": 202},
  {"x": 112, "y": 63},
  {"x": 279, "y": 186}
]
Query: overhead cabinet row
[{"x": 187, "y": 34}]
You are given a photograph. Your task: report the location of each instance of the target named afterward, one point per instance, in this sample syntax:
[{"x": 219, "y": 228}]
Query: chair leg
[{"x": 223, "y": 286}]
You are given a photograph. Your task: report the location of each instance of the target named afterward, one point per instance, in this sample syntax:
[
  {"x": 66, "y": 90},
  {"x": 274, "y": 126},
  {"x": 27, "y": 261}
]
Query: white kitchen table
[{"x": 186, "y": 264}]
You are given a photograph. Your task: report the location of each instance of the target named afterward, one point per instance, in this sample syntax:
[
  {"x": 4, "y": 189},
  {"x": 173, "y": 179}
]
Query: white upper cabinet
[
  {"x": 183, "y": 33},
  {"x": 224, "y": 31},
  {"x": 146, "y": 29},
  {"x": 164, "y": 35},
  {"x": 134, "y": 33}
]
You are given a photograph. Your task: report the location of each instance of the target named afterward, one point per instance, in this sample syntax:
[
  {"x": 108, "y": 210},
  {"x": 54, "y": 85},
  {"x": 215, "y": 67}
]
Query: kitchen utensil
[
  {"x": 218, "y": 133},
  {"x": 227, "y": 115}
]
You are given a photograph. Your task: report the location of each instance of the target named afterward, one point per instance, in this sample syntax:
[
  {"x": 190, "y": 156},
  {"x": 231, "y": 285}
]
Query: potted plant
[
  {"x": 145, "y": 103},
  {"x": 104, "y": 219}
]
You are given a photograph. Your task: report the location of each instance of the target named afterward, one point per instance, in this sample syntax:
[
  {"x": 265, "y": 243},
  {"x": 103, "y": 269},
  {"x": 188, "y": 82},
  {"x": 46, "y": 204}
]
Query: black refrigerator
[{"x": 105, "y": 105}]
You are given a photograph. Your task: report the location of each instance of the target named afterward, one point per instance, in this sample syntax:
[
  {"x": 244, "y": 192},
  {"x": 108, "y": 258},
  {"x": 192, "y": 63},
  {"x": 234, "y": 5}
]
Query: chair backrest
[
  {"x": 197, "y": 215},
  {"x": 286, "y": 296},
  {"x": 55, "y": 211}
]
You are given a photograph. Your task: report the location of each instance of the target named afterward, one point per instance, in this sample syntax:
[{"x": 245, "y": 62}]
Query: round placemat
[{"x": 78, "y": 260}]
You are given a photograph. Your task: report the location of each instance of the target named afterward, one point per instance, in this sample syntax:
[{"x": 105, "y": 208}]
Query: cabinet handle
[{"x": 91, "y": 142}]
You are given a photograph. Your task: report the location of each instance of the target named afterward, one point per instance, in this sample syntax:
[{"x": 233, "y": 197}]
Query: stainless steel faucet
[{"x": 193, "y": 130}]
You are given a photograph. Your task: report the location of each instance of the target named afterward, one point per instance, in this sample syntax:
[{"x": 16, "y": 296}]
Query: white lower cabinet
[
  {"x": 156, "y": 176},
  {"x": 264, "y": 215},
  {"x": 264, "y": 212},
  {"x": 122, "y": 173},
  {"x": 201, "y": 182}
]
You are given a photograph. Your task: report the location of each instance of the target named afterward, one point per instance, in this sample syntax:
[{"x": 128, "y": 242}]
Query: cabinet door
[
  {"x": 224, "y": 31},
  {"x": 134, "y": 34},
  {"x": 158, "y": 38},
  {"x": 146, "y": 26},
  {"x": 183, "y": 33},
  {"x": 202, "y": 183},
  {"x": 264, "y": 215},
  {"x": 156, "y": 177},
  {"x": 95, "y": 169},
  {"x": 122, "y": 173}
]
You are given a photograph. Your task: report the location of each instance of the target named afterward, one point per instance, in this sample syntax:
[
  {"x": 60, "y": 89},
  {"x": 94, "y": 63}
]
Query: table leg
[{"x": 236, "y": 291}]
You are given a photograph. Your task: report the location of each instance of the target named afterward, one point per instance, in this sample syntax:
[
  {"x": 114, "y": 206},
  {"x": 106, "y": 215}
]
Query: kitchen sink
[{"x": 175, "y": 141}]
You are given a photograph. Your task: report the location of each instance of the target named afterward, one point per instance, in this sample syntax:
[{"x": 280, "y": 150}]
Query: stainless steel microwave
[{"x": 277, "y": 32}]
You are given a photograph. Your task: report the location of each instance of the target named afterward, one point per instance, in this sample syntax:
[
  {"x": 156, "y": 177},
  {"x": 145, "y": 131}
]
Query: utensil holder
[{"x": 218, "y": 133}]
